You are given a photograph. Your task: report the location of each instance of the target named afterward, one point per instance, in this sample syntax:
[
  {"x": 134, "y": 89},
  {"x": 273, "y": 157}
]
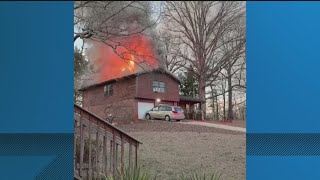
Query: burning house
[
  {"x": 127, "y": 98},
  {"x": 126, "y": 87}
]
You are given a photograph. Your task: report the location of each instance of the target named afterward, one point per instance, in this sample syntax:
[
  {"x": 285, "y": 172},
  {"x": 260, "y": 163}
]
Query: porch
[{"x": 191, "y": 107}]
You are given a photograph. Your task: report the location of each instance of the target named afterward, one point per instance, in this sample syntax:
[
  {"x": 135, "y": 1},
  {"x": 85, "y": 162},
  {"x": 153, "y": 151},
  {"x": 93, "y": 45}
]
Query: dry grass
[{"x": 170, "y": 148}]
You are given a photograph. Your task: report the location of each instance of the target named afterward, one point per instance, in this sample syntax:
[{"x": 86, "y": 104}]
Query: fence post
[
  {"x": 137, "y": 146},
  {"x": 75, "y": 146},
  {"x": 97, "y": 151},
  {"x": 114, "y": 152},
  {"x": 130, "y": 154},
  {"x": 81, "y": 145},
  {"x": 105, "y": 151},
  {"x": 90, "y": 153},
  {"x": 122, "y": 151}
]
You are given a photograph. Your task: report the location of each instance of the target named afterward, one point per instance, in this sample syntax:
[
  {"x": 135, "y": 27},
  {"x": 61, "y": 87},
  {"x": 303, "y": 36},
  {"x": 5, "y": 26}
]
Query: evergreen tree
[
  {"x": 80, "y": 66},
  {"x": 188, "y": 86}
]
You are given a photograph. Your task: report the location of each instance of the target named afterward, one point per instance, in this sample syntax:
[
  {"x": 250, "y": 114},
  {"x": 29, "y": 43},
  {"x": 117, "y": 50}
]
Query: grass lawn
[{"x": 170, "y": 148}]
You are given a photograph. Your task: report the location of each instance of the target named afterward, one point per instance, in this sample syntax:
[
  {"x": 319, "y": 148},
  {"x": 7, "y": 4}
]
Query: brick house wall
[
  {"x": 121, "y": 103},
  {"x": 122, "y": 90},
  {"x": 145, "y": 87},
  {"x": 127, "y": 92}
]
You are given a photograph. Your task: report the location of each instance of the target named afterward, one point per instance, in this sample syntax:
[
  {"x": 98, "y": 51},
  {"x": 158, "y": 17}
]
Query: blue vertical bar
[
  {"x": 283, "y": 63},
  {"x": 36, "y": 94}
]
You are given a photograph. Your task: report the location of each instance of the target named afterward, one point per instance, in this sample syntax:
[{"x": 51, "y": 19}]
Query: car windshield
[{"x": 178, "y": 109}]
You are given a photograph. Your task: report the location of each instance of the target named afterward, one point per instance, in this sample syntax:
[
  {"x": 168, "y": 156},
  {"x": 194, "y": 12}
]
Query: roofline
[
  {"x": 132, "y": 75},
  {"x": 105, "y": 82}
]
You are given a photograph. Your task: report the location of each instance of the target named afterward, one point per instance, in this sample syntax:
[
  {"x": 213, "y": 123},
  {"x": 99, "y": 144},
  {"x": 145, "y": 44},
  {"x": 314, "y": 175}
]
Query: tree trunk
[
  {"x": 213, "y": 106},
  {"x": 217, "y": 108},
  {"x": 230, "y": 105},
  {"x": 224, "y": 106},
  {"x": 202, "y": 96}
]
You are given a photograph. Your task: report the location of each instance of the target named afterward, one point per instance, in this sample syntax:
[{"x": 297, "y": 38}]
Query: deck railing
[{"x": 100, "y": 148}]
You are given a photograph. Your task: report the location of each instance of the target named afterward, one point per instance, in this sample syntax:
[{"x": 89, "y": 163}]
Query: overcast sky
[{"x": 156, "y": 8}]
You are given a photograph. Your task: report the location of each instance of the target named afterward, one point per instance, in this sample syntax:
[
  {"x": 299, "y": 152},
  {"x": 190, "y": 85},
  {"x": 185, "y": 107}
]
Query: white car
[{"x": 166, "y": 112}]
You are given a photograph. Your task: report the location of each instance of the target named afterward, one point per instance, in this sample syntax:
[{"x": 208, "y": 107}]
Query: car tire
[
  {"x": 167, "y": 118},
  {"x": 148, "y": 117},
  {"x": 178, "y": 120}
]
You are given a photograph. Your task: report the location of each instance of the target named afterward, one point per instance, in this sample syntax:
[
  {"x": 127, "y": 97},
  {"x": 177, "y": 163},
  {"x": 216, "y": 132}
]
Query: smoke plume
[{"x": 128, "y": 55}]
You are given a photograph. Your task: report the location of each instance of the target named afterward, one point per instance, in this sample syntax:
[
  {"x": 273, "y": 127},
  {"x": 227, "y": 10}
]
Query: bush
[
  {"x": 195, "y": 176},
  {"x": 136, "y": 174},
  {"x": 130, "y": 174}
]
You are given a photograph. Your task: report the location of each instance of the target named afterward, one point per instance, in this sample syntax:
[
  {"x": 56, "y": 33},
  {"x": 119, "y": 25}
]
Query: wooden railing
[{"x": 97, "y": 153}]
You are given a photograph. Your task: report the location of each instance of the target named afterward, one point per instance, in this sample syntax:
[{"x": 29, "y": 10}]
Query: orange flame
[{"x": 110, "y": 65}]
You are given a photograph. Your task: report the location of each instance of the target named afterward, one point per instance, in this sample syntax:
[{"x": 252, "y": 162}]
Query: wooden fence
[{"x": 100, "y": 148}]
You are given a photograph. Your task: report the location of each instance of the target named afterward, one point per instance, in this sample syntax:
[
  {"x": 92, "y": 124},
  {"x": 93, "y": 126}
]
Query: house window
[
  {"x": 108, "y": 90},
  {"x": 159, "y": 86}
]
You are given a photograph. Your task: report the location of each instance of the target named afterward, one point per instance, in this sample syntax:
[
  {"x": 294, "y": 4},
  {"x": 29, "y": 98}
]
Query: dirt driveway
[{"x": 171, "y": 148}]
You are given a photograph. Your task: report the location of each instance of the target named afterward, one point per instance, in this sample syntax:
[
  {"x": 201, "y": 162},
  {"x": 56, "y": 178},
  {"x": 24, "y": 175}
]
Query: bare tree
[
  {"x": 200, "y": 26},
  {"x": 236, "y": 61},
  {"x": 105, "y": 20},
  {"x": 112, "y": 22},
  {"x": 173, "y": 62},
  {"x": 214, "y": 101},
  {"x": 223, "y": 88}
]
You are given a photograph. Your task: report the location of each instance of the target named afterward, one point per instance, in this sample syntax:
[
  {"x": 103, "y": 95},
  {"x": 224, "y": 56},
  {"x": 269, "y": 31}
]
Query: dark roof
[
  {"x": 191, "y": 99},
  {"x": 160, "y": 70}
]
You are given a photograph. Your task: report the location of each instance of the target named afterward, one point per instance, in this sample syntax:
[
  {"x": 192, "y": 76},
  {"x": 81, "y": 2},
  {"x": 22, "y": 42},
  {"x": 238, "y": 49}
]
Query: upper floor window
[
  {"x": 108, "y": 90},
  {"x": 159, "y": 86}
]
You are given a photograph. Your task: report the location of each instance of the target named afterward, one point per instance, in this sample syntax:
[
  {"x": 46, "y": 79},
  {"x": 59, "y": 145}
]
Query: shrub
[
  {"x": 195, "y": 176},
  {"x": 136, "y": 174},
  {"x": 130, "y": 174}
]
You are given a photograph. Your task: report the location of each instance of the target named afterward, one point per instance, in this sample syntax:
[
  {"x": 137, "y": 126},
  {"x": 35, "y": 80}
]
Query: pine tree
[
  {"x": 188, "y": 86},
  {"x": 80, "y": 66}
]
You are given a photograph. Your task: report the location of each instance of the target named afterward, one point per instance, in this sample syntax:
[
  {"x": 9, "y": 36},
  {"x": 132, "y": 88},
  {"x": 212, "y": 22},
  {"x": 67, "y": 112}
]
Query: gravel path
[
  {"x": 171, "y": 148},
  {"x": 220, "y": 126},
  {"x": 236, "y": 123}
]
